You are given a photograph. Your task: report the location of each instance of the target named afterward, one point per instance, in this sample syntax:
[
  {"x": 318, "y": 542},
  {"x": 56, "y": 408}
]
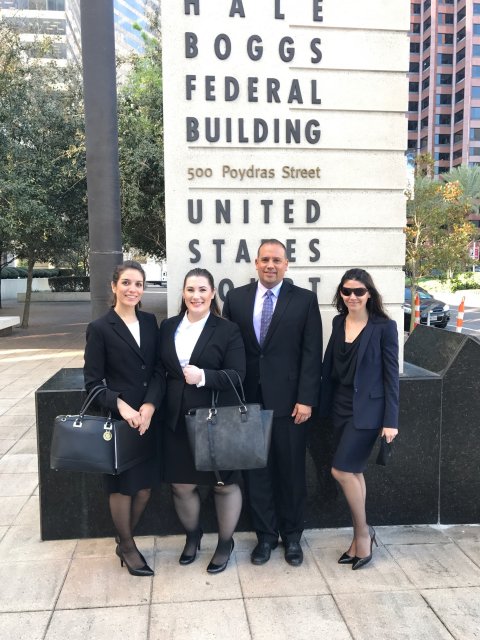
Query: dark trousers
[{"x": 277, "y": 493}]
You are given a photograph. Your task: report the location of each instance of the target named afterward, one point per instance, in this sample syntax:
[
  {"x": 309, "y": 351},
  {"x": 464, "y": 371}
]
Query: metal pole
[{"x": 103, "y": 178}]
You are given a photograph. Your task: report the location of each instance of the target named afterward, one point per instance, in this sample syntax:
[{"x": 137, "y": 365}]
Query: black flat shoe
[
  {"x": 190, "y": 557},
  {"x": 141, "y": 571},
  {"x": 358, "y": 563},
  {"x": 293, "y": 553},
  {"x": 218, "y": 568},
  {"x": 346, "y": 559},
  {"x": 261, "y": 553}
]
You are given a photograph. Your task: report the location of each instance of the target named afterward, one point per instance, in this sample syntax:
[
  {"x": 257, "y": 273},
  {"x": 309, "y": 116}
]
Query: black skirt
[
  {"x": 353, "y": 446},
  {"x": 178, "y": 462}
]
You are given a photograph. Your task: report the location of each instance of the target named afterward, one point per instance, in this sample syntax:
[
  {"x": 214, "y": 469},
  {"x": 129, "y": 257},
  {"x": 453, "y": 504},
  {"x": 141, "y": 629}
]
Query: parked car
[{"x": 439, "y": 311}]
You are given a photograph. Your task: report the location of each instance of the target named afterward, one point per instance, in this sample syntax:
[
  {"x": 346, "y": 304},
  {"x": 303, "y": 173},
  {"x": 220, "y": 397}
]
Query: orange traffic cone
[
  {"x": 417, "y": 310},
  {"x": 461, "y": 310}
]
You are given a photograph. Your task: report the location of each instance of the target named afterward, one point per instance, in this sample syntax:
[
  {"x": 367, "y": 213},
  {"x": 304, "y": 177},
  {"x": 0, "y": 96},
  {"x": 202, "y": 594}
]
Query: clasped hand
[
  {"x": 193, "y": 375},
  {"x": 136, "y": 419}
]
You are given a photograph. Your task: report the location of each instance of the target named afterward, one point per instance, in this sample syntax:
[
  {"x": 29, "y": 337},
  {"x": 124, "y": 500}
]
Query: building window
[
  {"x": 445, "y": 78},
  {"x": 415, "y": 27},
  {"x": 426, "y": 43},
  {"x": 460, "y": 75},
  {"x": 424, "y": 123},
  {"x": 412, "y": 125},
  {"x": 426, "y": 4},
  {"x": 474, "y": 134},
  {"x": 413, "y": 106},
  {"x": 414, "y": 67},
  {"x": 457, "y": 137},
  {"x": 457, "y": 154},
  {"x": 442, "y": 169},
  {"x": 460, "y": 95},
  {"x": 423, "y": 141},
  {"x": 443, "y": 118},
  {"x": 461, "y": 34},
  {"x": 449, "y": 18},
  {"x": 440, "y": 155},
  {"x": 442, "y": 138},
  {"x": 476, "y": 8},
  {"x": 476, "y": 93},
  {"x": 425, "y": 102},
  {"x": 413, "y": 87},
  {"x": 445, "y": 38},
  {"x": 425, "y": 83},
  {"x": 458, "y": 116},
  {"x": 475, "y": 71},
  {"x": 474, "y": 151},
  {"x": 412, "y": 144},
  {"x": 416, "y": 8},
  {"x": 426, "y": 24},
  {"x": 476, "y": 29},
  {"x": 475, "y": 113},
  {"x": 461, "y": 54},
  {"x": 461, "y": 14},
  {"x": 414, "y": 47},
  {"x": 476, "y": 50},
  {"x": 446, "y": 58},
  {"x": 443, "y": 98},
  {"x": 426, "y": 63}
]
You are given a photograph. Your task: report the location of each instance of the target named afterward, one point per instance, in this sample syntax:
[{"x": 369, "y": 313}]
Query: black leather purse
[
  {"x": 96, "y": 444},
  {"x": 229, "y": 437}
]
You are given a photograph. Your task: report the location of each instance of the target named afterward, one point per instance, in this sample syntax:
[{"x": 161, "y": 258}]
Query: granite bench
[{"x": 6, "y": 324}]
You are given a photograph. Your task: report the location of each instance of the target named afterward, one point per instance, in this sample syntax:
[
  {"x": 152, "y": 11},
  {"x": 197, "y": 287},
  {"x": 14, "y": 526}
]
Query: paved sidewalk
[{"x": 423, "y": 583}]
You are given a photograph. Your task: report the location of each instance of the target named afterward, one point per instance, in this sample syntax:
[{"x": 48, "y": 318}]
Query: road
[{"x": 471, "y": 320}]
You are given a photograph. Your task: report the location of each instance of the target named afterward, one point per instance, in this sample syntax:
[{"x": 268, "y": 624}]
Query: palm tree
[{"x": 469, "y": 179}]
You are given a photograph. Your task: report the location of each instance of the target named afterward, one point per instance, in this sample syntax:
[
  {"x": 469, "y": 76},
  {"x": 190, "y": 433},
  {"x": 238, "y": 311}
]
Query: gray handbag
[{"x": 229, "y": 437}]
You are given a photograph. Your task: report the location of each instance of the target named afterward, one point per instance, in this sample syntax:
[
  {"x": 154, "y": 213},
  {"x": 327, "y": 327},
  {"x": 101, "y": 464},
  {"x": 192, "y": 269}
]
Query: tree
[
  {"x": 437, "y": 232},
  {"x": 469, "y": 179},
  {"x": 42, "y": 158},
  {"x": 140, "y": 124}
]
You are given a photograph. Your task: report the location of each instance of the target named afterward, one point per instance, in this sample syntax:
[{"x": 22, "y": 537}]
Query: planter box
[
  {"x": 50, "y": 296},
  {"x": 11, "y": 288}
]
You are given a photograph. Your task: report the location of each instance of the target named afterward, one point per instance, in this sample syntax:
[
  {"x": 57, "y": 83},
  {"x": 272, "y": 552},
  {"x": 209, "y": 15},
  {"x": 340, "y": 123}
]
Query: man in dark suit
[{"x": 282, "y": 332}]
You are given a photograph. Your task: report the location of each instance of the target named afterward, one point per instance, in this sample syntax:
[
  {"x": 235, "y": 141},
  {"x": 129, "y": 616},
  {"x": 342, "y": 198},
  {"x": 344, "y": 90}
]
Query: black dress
[{"x": 353, "y": 446}]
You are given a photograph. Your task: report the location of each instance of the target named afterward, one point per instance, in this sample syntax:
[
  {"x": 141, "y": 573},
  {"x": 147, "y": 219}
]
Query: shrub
[
  {"x": 45, "y": 273},
  {"x": 69, "y": 283},
  {"x": 9, "y": 273}
]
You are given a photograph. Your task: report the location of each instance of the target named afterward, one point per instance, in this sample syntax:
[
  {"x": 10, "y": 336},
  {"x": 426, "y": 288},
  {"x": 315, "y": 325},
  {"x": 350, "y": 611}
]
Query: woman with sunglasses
[{"x": 360, "y": 386}]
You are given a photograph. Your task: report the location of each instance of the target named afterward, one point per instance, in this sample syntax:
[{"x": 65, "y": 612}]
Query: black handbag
[
  {"x": 229, "y": 437},
  {"x": 96, "y": 444},
  {"x": 384, "y": 452}
]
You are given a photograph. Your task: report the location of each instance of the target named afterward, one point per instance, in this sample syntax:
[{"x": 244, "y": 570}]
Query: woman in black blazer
[
  {"x": 360, "y": 386},
  {"x": 121, "y": 352},
  {"x": 194, "y": 347}
]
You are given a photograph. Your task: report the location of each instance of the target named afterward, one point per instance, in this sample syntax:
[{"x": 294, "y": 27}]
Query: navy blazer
[
  {"x": 219, "y": 346},
  {"x": 376, "y": 381},
  {"x": 129, "y": 371},
  {"x": 288, "y": 365}
]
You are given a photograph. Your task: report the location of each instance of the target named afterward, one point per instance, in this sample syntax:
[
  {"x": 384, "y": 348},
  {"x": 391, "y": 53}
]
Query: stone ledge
[
  {"x": 6, "y": 324},
  {"x": 56, "y": 296}
]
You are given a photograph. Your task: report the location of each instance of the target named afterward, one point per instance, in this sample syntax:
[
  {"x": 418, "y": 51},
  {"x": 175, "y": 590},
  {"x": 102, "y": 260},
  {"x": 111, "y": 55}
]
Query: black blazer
[
  {"x": 288, "y": 365},
  {"x": 376, "y": 381},
  {"x": 219, "y": 346},
  {"x": 129, "y": 371}
]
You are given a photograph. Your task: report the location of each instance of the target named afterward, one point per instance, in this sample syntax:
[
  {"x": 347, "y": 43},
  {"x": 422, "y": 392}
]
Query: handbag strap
[
  {"x": 96, "y": 391},
  {"x": 241, "y": 398},
  {"x": 211, "y": 448}
]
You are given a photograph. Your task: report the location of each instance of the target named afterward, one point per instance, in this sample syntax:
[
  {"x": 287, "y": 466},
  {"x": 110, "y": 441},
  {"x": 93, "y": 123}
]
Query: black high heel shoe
[
  {"x": 141, "y": 571},
  {"x": 188, "y": 558},
  {"x": 117, "y": 550},
  {"x": 346, "y": 559},
  {"x": 361, "y": 562},
  {"x": 218, "y": 568}
]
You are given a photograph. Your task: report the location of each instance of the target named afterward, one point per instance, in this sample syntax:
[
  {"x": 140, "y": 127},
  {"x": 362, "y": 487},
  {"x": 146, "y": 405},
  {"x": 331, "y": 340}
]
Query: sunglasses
[{"x": 358, "y": 291}]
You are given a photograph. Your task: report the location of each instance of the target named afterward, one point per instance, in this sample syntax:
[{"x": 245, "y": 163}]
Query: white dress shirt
[
  {"x": 258, "y": 306},
  {"x": 186, "y": 337},
  {"x": 134, "y": 328}
]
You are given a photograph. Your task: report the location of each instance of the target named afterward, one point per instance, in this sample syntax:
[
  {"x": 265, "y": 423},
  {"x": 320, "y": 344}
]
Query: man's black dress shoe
[
  {"x": 261, "y": 553},
  {"x": 293, "y": 553}
]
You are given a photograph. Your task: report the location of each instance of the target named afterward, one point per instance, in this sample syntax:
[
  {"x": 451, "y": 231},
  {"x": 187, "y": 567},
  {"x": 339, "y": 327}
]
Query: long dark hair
[
  {"x": 117, "y": 272},
  {"x": 202, "y": 273},
  {"x": 374, "y": 303}
]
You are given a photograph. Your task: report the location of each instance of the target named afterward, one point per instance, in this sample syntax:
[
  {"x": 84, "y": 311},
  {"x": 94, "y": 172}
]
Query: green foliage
[
  {"x": 69, "y": 283},
  {"x": 140, "y": 124},
  {"x": 469, "y": 180}
]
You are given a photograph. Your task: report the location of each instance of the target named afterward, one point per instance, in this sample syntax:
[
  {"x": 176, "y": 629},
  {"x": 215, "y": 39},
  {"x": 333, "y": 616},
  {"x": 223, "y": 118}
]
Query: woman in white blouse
[
  {"x": 121, "y": 353},
  {"x": 194, "y": 347}
]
